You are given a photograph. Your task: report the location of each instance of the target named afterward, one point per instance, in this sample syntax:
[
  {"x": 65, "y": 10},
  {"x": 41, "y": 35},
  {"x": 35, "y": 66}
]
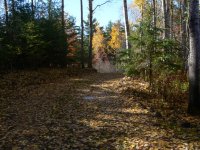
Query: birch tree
[{"x": 127, "y": 29}]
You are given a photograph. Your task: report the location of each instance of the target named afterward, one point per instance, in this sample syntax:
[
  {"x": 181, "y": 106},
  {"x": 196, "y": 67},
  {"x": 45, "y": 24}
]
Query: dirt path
[{"x": 82, "y": 113}]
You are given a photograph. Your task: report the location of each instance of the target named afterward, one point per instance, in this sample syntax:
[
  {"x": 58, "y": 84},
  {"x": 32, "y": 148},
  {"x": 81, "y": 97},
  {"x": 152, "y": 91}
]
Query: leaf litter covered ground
[{"x": 54, "y": 109}]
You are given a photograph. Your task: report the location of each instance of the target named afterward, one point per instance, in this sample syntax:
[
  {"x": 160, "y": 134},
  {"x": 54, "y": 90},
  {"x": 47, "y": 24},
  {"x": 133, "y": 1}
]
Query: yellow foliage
[
  {"x": 139, "y": 3},
  {"x": 98, "y": 40},
  {"x": 115, "y": 42}
]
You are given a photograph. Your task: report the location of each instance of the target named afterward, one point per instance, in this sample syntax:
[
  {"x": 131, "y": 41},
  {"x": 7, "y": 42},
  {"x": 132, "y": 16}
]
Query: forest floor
[{"x": 51, "y": 109}]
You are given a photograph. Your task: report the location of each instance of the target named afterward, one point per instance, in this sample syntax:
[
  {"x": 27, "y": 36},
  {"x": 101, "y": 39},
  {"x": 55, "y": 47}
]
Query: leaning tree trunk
[
  {"x": 127, "y": 29},
  {"x": 82, "y": 32},
  {"x": 194, "y": 94},
  {"x": 91, "y": 33}
]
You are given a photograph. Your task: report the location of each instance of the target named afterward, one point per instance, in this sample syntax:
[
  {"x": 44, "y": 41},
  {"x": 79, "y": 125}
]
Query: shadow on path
[{"x": 82, "y": 113}]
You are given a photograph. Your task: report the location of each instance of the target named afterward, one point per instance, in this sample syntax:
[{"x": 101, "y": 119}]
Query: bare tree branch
[{"x": 100, "y": 5}]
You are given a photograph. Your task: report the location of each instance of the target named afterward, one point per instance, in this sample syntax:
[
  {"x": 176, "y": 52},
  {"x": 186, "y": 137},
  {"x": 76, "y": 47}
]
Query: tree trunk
[
  {"x": 171, "y": 19},
  {"x": 63, "y": 25},
  {"x": 63, "y": 14},
  {"x": 184, "y": 41},
  {"x": 49, "y": 8},
  {"x": 194, "y": 94},
  {"x": 82, "y": 32},
  {"x": 127, "y": 29},
  {"x": 13, "y": 8},
  {"x": 32, "y": 8},
  {"x": 154, "y": 46},
  {"x": 154, "y": 14},
  {"x": 91, "y": 33},
  {"x": 168, "y": 28},
  {"x": 141, "y": 34},
  {"x": 6, "y": 10},
  {"x": 166, "y": 18}
]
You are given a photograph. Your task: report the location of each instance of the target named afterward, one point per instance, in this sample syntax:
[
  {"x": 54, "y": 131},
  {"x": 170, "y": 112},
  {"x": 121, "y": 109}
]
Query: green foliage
[
  {"x": 87, "y": 26},
  {"x": 132, "y": 66},
  {"x": 155, "y": 59},
  {"x": 33, "y": 41}
]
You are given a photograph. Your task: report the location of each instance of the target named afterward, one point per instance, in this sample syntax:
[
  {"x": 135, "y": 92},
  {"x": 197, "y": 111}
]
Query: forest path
[{"x": 82, "y": 112}]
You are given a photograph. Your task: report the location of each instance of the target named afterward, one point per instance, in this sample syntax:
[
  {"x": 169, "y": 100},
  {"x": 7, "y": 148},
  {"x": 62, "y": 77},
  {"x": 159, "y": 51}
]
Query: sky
[
  {"x": 112, "y": 11},
  {"x": 109, "y": 12}
]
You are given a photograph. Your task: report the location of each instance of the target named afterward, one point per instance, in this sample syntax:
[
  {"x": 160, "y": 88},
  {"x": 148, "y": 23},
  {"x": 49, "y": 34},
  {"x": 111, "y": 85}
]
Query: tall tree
[
  {"x": 166, "y": 18},
  {"x": 154, "y": 45},
  {"x": 91, "y": 33},
  {"x": 49, "y": 8},
  {"x": 32, "y": 8},
  {"x": 171, "y": 18},
  {"x": 91, "y": 11},
  {"x": 194, "y": 94},
  {"x": 82, "y": 36},
  {"x": 63, "y": 13},
  {"x": 141, "y": 4},
  {"x": 13, "y": 8},
  {"x": 66, "y": 40},
  {"x": 127, "y": 29},
  {"x": 184, "y": 41},
  {"x": 6, "y": 10},
  {"x": 154, "y": 13}
]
